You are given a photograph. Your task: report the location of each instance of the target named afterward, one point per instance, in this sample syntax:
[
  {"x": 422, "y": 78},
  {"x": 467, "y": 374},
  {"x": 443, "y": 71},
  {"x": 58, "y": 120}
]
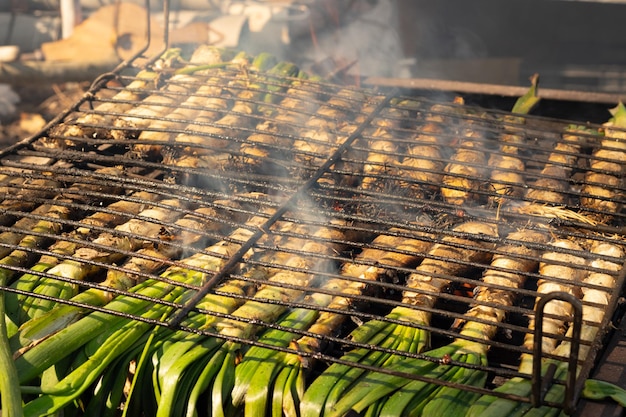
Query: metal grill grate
[{"x": 257, "y": 181}]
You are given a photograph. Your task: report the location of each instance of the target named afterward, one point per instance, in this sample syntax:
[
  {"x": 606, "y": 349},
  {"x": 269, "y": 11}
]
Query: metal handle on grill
[{"x": 538, "y": 391}]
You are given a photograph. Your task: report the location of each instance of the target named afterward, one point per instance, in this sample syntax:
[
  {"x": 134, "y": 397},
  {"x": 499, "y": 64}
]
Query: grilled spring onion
[
  {"x": 199, "y": 103},
  {"x": 508, "y": 271},
  {"x": 301, "y": 98},
  {"x": 506, "y": 177},
  {"x": 553, "y": 266},
  {"x": 606, "y": 169},
  {"x": 548, "y": 195},
  {"x": 93, "y": 124},
  {"x": 13, "y": 237},
  {"x": 9, "y": 174},
  {"x": 105, "y": 337},
  {"x": 383, "y": 156},
  {"x": 119, "y": 212},
  {"x": 423, "y": 162},
  {"x": 19, "y": 193},
  {"x": 320, "y": 134},
  {"x": 448, "y": 258},
  {"x": 220, "y": 134},
  {"x": 553, "y": 183},
  {"x": 348, "y": 171},
  {"x": 268, "y": 304},
  {"x": 281, "y": 385},
  {"x": 462, "y": 174},
  {"x": 173, "y": 362},
  {"x": 205, "y": 142},
  {"x": 160, "y": 104},
  {"x": 106, "y": 249},
  {"x": 599, "y": 285},
  {"x": 149, "y": 261}
]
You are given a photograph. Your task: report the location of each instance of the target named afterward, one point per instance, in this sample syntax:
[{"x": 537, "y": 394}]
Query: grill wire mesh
[{"x": 292, "y": 194}]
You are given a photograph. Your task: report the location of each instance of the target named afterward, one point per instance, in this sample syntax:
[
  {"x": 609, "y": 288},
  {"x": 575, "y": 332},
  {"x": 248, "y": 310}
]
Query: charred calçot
[{"x": 237, "y": 236}]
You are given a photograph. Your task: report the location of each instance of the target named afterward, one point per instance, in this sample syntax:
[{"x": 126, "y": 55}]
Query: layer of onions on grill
[{"x": 272, "y": 119}]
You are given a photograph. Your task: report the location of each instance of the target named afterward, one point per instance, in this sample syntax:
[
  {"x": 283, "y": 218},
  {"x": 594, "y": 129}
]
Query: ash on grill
[{"x": 248, "y": 195}]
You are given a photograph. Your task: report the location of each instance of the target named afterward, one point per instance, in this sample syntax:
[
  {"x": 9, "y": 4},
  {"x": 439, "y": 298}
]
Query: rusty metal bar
[{"x": 492, "y": 89}]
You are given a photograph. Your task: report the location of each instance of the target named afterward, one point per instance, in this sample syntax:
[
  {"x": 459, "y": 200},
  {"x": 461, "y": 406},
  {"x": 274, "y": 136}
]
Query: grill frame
[{"x": 312, "y": 186}]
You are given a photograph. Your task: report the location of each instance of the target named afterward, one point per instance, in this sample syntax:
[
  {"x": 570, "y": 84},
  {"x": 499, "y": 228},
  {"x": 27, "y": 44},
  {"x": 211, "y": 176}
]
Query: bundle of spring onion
[
  {"x": 101, "y": 338},
  {"x": 205, "y": 141},
  {"x": 606, "y": 168},
  {"x": 147, "y": 260},
  {"x": 210, "y": 366},
  {"x": 467, "y": 164},
  {"x": 599, "y": 283},
  {"x": 96, "y": 123},
  {"x": 327, "y": 394},
  {"x": 265, "y": 112},
  {"x": 404, "y": 329},
  {"x": 135, "y": 336},
  {"x": 491, "y": 405},
  {"x": 216, "y": 358},
  {"x": 281, "y": 386},
  {"x": 506, "y": 178},
  {"x": 423, "y": 163},
  {"x": 268, "y": 380},
  {"x": 382, "y": 158},
  {"x": 404, "y": 397}
]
